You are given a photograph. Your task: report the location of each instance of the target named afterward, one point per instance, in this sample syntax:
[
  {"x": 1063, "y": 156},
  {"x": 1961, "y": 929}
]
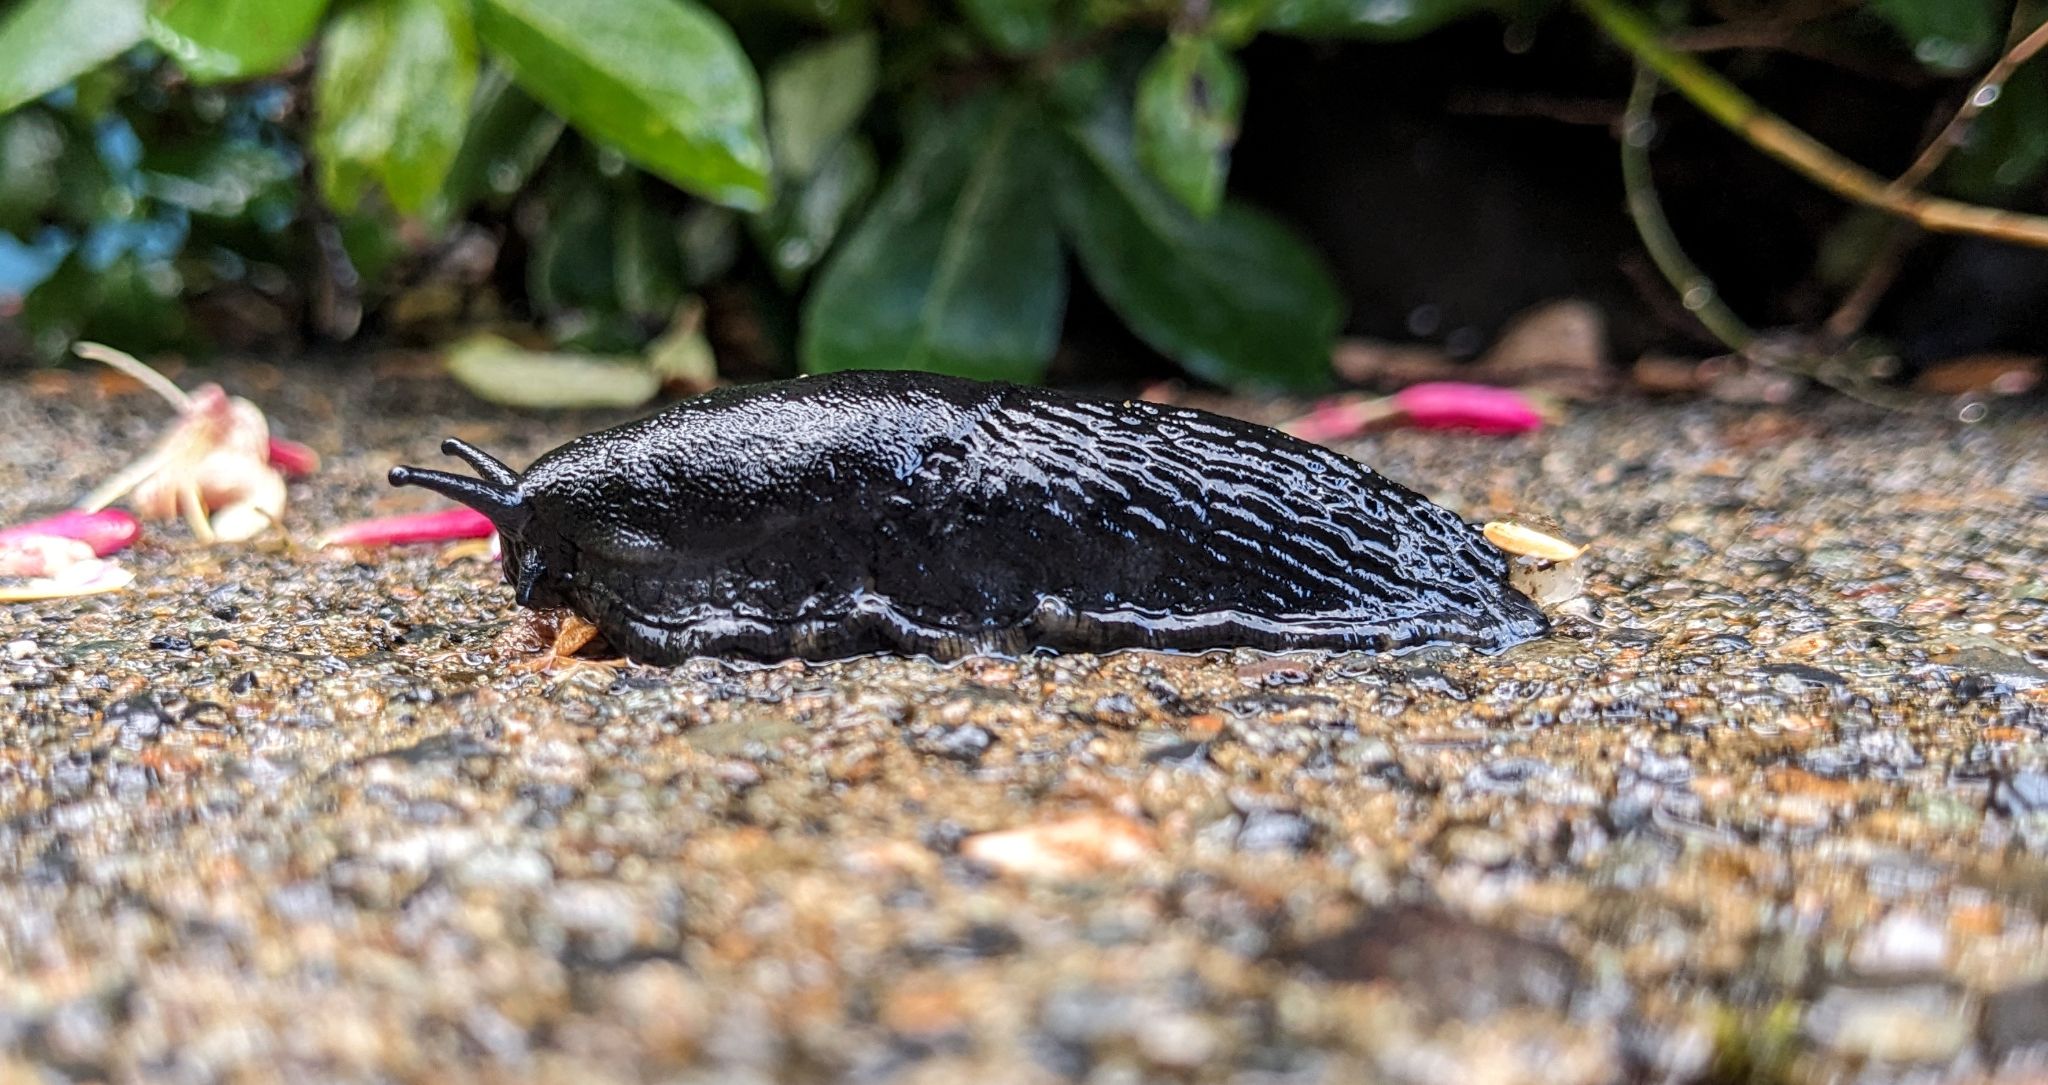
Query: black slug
[{"x": 838, "y": 515}]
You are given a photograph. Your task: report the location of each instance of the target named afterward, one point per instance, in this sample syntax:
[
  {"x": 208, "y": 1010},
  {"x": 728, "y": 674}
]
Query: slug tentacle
[
  {"x": 487, "y": 465},
  {"x": 501, "y": 503}
]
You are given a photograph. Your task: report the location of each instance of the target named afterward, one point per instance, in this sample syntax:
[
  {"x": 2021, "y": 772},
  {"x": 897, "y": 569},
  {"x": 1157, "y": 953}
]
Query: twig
[
  {"x": 1782, "y": 38},
  {"x": 1694, "y": 288},
  {"x": 1981, "y": 96},
  {"x": 1855, "y": 309},
  {"x": 1779, "y": 139},
  {"x": 1787, "y": 354}
]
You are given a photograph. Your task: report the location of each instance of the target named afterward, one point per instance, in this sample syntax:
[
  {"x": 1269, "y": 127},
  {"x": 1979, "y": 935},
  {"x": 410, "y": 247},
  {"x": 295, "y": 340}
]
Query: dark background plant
[{"x": 847, "y": 183}]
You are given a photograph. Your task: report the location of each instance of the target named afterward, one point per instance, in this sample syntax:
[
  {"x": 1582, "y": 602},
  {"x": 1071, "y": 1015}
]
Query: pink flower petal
[
  {"x": 107, "y": 531},
  {"x": 1338, "y": 418},
  {"x": 443, "y": 526},
  {"x": 292, "y": 459},
  {"x": 1456, "y": 405}
]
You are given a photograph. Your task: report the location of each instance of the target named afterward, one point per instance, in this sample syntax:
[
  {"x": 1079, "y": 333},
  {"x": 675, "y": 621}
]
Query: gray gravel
[{"x": 1771, "y": 806}]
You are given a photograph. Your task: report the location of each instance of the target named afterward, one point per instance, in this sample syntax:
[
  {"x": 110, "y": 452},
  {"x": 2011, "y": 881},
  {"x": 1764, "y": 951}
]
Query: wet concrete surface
[{"x": 1773, "y": 806}]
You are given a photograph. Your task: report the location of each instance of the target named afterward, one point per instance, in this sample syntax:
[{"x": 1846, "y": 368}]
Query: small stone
[
  {"x": 2016, "y": 1023},
  {"x": 1275, "y": 830},
  {"x": 1177, "y": 1040},
  {"x": 506, "y": 868},
  {"x": 21, "y": 649},
  {"x": 1474, "y": 845},
  {"x": 1450, "y": 967},
  {"x": 138, "y": 720},
  {"x": 1919, "y": 1023},
  {"x": 1074, "y": 848},
  {"x": 2019, "y": 793},
  {"x": 1905, "y": 943}
]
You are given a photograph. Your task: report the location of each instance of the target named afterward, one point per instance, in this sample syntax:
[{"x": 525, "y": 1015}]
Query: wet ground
[{"x": 1774, "y": 807}]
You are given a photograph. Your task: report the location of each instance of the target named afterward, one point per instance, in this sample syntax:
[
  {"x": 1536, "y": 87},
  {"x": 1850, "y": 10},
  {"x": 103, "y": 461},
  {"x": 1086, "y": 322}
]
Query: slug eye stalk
[{"x": 496, "y": 495}]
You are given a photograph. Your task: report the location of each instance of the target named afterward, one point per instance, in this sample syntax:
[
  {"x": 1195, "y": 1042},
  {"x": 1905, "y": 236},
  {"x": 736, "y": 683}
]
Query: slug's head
[{"x": 498, "y": 496}]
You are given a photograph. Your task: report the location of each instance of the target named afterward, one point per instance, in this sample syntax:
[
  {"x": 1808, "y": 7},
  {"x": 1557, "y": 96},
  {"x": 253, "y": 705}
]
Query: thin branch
[
  {"x": 1779, "y": 139},
  {"x": 1854, "y": 312},
  {"x": 1694, "y": 288},
  {"x": 1981, "y": 96}
]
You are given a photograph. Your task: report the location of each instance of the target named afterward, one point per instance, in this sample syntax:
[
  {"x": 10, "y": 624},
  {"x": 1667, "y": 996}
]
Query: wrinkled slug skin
[{"x": 858, "y": 512}]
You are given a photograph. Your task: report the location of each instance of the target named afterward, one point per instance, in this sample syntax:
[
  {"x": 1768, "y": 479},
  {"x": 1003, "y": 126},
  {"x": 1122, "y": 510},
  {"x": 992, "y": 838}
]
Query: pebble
[
  {"x": 1903, "y": 943},
  {"x": 2016, "y": 1023},
  {"x": 1447, "y": 966},
  {"x": 1074, "y": 848},
  {"x": 1916, "y": 1023}
]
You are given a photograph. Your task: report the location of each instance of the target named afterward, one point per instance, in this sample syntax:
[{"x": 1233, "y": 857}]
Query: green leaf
[
  {"x": 1189, "y": 102},
  {"x": 391, "y": 98},
  {"x": 797, "y": 232},
  {"x": 1946, "y": 35},
  {"x": 815, "y": 96},
  {"x": 501, "y": 372},
  {"x": 1013, "y": 26},
  {"x": 1237, "y": 298},
  {"x": 45, "y": 44},
  {"x": 216, "y": 40},
  {"x": 662, "y": 80},
  {"x": 957, "y": 268},
  {"x": 1378, "y": 20}
]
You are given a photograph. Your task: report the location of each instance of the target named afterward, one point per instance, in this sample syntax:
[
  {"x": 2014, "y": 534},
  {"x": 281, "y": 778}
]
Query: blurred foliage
[{"x": 891, "y": 184}]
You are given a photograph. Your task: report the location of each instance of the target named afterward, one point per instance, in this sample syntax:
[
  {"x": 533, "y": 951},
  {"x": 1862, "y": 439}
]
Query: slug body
[{"x": 851, "y": 513}]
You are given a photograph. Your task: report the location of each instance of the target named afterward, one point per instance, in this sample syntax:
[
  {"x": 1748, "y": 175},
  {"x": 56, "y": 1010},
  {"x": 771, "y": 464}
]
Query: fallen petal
[
  {"x": 249, "y": 500},
  {"x": 41, "y": 555},
  {"x": 293, "y": 459},
  {"x": 107, "y": 531},
  {"x": 442, "y": 526},
  {"x": 1531, "y": 537},
  {"x": 1339, "y": 418},
  {"x": 90, "y": 577},
  {"x": 1458, "y": 405}
]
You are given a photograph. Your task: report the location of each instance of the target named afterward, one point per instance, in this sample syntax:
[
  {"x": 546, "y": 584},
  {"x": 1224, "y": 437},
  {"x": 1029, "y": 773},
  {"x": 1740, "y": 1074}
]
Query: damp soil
[{"x": 1770, "y": 805}]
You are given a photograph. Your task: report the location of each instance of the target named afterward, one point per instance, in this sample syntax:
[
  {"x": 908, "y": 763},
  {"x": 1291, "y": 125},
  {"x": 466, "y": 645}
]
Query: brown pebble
[{"x": 1072, "y": 848}]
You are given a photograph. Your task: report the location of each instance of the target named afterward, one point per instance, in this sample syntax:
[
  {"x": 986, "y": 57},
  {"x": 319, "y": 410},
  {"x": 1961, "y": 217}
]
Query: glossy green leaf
[
  {"x": 45, "y": 44},
  {"x": 502, "y": 372},
  {"x": 957, "y": 268},
  {"x": 807, "y": 216},
  {"x": 1379, "y": 20},
  {"x": 1013, "y": 26},
  {"x": 815, "y": 96},
  {"x": 216, "y": 40},
  {"x": 1947, "y": 35},
  {"x": 391, "y": 98},
  {"x": 1236, "y": 298},
  {"x": 662, "y": 80},
  {"x": 1189, "y": 101}
]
